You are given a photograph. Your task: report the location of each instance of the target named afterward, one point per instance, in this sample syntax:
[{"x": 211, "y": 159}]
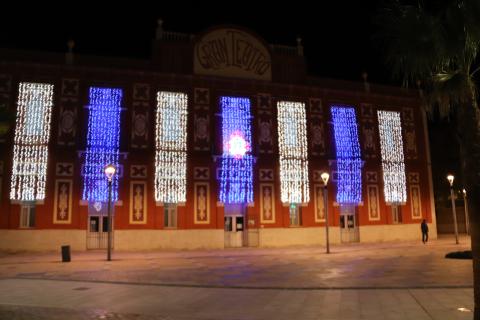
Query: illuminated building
[{"x": 210, "y": 153}]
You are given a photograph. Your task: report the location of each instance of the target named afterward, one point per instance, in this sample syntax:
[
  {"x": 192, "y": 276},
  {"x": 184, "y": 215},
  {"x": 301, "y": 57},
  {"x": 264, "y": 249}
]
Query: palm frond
[
  {"x": 439, "y": 46},
  {"x": 471, "y": 9},
  {"x": 412, "y": 41},
  {"x": 451, "y": 90},
  {"x": 454, "y": 85}
]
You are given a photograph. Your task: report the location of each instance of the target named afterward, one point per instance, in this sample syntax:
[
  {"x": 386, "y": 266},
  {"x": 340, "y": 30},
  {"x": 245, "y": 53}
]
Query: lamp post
[
  {"x": 110, "y": 172},
  {"x": 325, "y": 177},
  {"x": 465, "y": 203},
  {"x": 450, "y": 178}
]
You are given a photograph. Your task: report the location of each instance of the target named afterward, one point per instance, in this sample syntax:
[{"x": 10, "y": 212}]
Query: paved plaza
[{"x": 401, "y": 280}]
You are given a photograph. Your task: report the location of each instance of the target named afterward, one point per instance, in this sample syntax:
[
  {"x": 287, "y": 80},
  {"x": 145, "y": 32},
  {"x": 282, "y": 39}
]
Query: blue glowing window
[
  {"x": 103, "y": 142},
  {"x": 349, "y": 162},
  {"x": 236, "y": 177}
]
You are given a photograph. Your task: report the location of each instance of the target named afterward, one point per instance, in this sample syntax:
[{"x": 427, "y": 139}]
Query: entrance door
[
  {"x": 349, "y": 231},
  {"x": 234, "y": 226},
  {"x": 97, "y": 229},
  {"x": 97, "y": 233}
]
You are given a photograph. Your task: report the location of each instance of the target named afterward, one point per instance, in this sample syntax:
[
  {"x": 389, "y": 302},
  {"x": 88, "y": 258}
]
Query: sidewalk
[
  {"x": 49, "y": 299},
  {"x": 385, "y": 265},
  {"x": 401, "y": 280}
]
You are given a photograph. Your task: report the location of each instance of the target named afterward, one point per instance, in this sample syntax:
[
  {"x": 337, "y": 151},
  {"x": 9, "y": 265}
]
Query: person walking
[{"x": 424, "y": 228}]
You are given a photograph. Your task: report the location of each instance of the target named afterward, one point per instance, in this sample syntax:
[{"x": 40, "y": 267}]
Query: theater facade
[{"x": 219, "y": 140}]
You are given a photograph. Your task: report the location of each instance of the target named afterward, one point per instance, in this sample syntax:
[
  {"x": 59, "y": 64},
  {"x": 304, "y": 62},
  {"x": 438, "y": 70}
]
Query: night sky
[{"x": 337, "y": 37}]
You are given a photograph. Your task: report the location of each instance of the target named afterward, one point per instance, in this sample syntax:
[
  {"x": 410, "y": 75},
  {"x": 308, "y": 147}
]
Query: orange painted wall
[{"x": 327, "y": 94}]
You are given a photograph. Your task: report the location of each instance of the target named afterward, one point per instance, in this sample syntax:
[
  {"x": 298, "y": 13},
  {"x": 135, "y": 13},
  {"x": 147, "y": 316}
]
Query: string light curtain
[
  {"x": 171, "y": 147},
  {"x": 349, "y": 162},
  {"x": 236, "y": 177},
  {"x": 393, "y": 163},
  {"x": 32, "y": 134},
  {"x": 103, "y": 143},
  {"x": 292, "y": 143}
]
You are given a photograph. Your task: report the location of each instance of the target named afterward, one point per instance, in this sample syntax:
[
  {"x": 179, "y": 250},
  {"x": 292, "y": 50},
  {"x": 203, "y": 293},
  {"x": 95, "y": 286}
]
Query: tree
[
  {"x": 6, "y": 121},
  {"x": 437, "y": 45}
]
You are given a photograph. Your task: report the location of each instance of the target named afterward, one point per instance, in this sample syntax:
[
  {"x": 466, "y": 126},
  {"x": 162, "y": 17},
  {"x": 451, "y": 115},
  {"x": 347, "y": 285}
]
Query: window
[
  {"x": 393, "y": 161},
  {"x": 105, "y": 224},
  {"x": 228, "y": 224},
  {"x": 171, "y": 147},
  {"x": 103, "y": 143},
  {"x": 27, "y": 215},
  {"x": 170, "y": 218},
  {"x": 292, "y": 149},
  {"x": 236, "y": 175},
  {"x": 32, "y": 135},
  {"x": 295, "y": 220},
  {"x": 396, "y": 214},
  {"x": 239, "y": 223},
  {"x": 94, "y": 224}
]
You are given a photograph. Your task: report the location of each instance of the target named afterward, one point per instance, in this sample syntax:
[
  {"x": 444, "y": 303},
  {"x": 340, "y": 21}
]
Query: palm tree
[{"x": 438, "y": 45}]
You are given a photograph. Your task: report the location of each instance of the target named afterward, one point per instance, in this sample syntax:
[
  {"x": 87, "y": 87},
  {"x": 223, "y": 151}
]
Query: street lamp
[
  {"x": 450, "y": 178},
  {"x": 325, "y": 177},
  {"x": 465, "y": 203},
  {"x": 109, "y": 172}
]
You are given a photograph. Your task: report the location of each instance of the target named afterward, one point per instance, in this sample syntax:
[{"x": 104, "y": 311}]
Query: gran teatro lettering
[
  {"x": 232, "y": 53},
  {"x": 233, "y": 50}
]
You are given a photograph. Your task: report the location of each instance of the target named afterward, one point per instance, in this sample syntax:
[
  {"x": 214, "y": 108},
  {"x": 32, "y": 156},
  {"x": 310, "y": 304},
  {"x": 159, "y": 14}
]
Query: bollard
[{"x": 65, "y": 253}]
